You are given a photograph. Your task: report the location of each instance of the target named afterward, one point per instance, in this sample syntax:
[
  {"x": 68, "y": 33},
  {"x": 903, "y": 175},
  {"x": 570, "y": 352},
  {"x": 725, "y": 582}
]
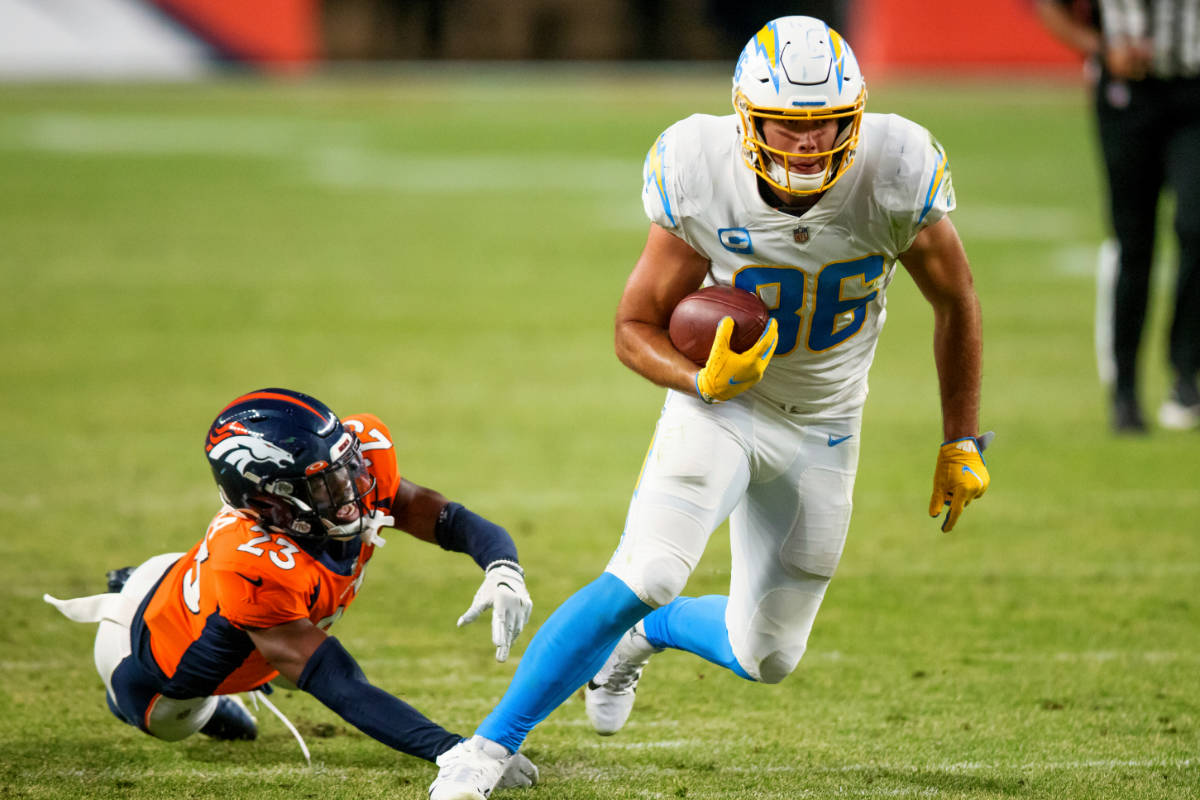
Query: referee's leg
[
  {"x": 1183, "y": 173},
  {"x": 1130, "y": 141}
]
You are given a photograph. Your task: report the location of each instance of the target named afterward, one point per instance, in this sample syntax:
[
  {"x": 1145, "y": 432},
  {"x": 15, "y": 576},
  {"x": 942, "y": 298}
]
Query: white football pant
[
  {"x": 786, "y": 488},
  {"x": 167, "y": 719}
]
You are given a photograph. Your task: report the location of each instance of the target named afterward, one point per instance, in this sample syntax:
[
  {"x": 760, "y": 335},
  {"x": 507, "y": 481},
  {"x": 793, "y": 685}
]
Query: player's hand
[
  {"x": 727, "y": 374},
  {"x": 1128, "y": 59},
  {"x": 960, "y": 477},
  {"x": 519, "y": 772},
  {"x": 503, "y": 591}
]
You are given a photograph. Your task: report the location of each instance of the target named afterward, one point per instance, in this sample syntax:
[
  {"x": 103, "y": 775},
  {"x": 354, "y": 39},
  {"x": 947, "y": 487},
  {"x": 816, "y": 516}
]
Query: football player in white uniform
[{"x": 802, "y": 198}]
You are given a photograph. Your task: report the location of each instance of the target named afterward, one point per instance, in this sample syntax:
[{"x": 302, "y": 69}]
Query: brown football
[{"x": 694, "y": 321}]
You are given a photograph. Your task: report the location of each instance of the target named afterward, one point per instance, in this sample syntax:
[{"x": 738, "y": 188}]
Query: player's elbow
[{"x": 625, "y": 341}]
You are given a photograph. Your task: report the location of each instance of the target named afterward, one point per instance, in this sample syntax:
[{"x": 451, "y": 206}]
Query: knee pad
[
  {"x": 660, "y": 548},
  {"x": 656, "y": 580},
  {"x": 771, "y": 639},
  {"x": 778, "y": 665},
  {"x": 663, "y": 580},
  {"x": 773, "y": 666},
  {"x": 173, "y": 720}
]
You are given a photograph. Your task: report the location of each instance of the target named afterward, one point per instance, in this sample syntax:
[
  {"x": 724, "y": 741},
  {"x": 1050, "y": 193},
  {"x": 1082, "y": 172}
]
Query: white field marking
[
  {"x": 544, "y": 499},
  {"x": 1060, "y": 572},
  {"x": 577, "y": 722},
  {"x": 618, "y": 772},
  {"x": 1075, "y": 259},
  {"x": 26, "y": 501},
  {"x": 1087, "y": 656},
  {"x": 615, "y": 773},
  {"x": 980, "y": 766},
  {"x": 840, "y": 791},
  {"x": 1094, "y": 656},
  {"x": 465, "y": 173},
  {"x": 666, "y": 744},
  {"x": 330, "y": 154},
  {"x": 1116, "y": 498},
  {"x": 1079, "y": 259},
  {"x": 45, "y": 666},
  {"x": 1020, "y": 223},
  {"x": 145, "y": 134}
]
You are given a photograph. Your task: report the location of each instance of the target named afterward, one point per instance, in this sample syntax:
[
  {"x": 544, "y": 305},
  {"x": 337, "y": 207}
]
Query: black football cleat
[
  {"x": 117, "y": 577},
  {"x": 232, "y": 721},
  {"x": 1127, "y": 415}
]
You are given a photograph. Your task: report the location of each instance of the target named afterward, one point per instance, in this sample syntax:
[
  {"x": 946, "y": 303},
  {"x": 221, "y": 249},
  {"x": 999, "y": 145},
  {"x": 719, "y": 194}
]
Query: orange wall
[
  {"x": 954, "y": 36},
  {"x": 280, "y": 34}
]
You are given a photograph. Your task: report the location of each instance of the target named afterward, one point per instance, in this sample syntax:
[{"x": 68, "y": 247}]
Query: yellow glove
[
  {"x": 960, "y": 476},
  {"x": 727, "y": 374}
]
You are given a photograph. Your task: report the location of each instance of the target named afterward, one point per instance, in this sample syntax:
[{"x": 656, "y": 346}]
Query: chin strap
[{"x": 371, "y": 525}]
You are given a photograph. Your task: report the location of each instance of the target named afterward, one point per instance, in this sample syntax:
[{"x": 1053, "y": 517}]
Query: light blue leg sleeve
[
  {"x": 697, "y": 625},
  {"x": 568, "y": 650}
]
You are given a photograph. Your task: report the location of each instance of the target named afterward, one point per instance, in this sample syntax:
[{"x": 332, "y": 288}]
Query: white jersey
[{"x": 822, "y": 275}]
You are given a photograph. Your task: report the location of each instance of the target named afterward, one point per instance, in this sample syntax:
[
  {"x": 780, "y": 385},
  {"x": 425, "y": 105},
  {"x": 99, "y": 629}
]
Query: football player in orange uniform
[{"x": 305, "y": 494}]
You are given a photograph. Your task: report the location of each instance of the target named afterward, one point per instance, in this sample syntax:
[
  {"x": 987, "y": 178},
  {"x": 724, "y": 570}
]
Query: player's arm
[
  {"x": 667, "y": 270},
  {"x": 318, "y": 664},
  {"x": 1062, "y": 25},
  {"x": 938, "y": 265},
  {"x": 429, "y": 515}
]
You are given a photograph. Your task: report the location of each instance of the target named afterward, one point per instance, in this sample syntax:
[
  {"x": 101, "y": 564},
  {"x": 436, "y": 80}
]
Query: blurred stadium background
[
  {"x": 188, "y": 38},
  {"x": 427, "y": 210}
]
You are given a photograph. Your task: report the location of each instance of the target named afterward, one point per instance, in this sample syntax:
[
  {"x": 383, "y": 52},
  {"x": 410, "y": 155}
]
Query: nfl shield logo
[{"x": 800, "y": 235}]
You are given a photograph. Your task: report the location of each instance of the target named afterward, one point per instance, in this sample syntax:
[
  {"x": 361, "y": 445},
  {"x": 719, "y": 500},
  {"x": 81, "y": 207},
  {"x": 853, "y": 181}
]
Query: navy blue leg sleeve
[
  {"x": 133, "y": 691},
  {"x": 569, "y": 649},
  {"x": 697, "y": 625}
]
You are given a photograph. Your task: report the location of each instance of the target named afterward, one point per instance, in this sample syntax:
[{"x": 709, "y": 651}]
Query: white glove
[
  {"x": 519, "y": 772},
  {"x": 503, "y": 591}
]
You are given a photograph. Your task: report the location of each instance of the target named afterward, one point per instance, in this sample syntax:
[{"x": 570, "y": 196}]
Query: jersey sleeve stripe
[
  {"x": 654, "y": 173},
  {"x": 935, "y": 183}
]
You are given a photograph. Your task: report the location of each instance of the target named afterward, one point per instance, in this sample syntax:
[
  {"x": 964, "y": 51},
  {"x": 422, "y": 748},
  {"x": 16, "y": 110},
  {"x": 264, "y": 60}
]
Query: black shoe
[
  {"x": 117, "y": 577},
  {"x": 1127, "y": 414},
  {"x": 231, "y": 721},
  {"x": 1186, "y": 391}
]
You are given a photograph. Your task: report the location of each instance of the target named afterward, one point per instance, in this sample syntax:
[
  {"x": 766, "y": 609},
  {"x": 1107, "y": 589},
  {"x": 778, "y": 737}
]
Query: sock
[
  {"x": 697, "y": 625},
  {"x": 567, "y": 651}
]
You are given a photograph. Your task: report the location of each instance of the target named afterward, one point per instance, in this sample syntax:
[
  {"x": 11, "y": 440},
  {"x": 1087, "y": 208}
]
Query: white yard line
[
  {"x": 998, "y": 223},
  {"x": 467, "y": 173},
  {"x": 619, "y": 772},
  {"x": 451, "y": 665}
]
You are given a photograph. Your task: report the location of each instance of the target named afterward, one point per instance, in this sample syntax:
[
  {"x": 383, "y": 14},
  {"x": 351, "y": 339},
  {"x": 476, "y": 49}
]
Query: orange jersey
[{"x": 240, "y": 576}]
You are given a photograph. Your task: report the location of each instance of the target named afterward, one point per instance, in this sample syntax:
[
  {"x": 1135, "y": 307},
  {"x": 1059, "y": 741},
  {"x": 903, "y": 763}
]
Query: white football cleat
[
  {"x": 609, "y": 696},
  {"x": 474, "y": 767},
  {"x": 1181, "y": 410},
  {"x": 1175, "y": 416}
]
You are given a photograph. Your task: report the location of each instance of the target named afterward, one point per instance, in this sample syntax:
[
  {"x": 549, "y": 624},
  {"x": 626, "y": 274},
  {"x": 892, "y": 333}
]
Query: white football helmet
[{"x": 798, "y": 68}]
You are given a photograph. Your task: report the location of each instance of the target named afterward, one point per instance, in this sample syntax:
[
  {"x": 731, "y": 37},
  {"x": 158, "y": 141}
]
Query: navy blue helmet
[{"x": 285, "y": 458}]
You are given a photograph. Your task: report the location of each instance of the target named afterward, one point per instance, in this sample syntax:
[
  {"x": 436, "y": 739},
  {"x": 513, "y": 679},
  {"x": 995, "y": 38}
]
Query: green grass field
[{"x": 446, "y": 250}]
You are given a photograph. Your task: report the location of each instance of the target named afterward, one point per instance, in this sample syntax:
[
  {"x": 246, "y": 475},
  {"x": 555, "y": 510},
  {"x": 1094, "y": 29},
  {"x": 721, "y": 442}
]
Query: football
[{"x": 694, "y": 321}]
